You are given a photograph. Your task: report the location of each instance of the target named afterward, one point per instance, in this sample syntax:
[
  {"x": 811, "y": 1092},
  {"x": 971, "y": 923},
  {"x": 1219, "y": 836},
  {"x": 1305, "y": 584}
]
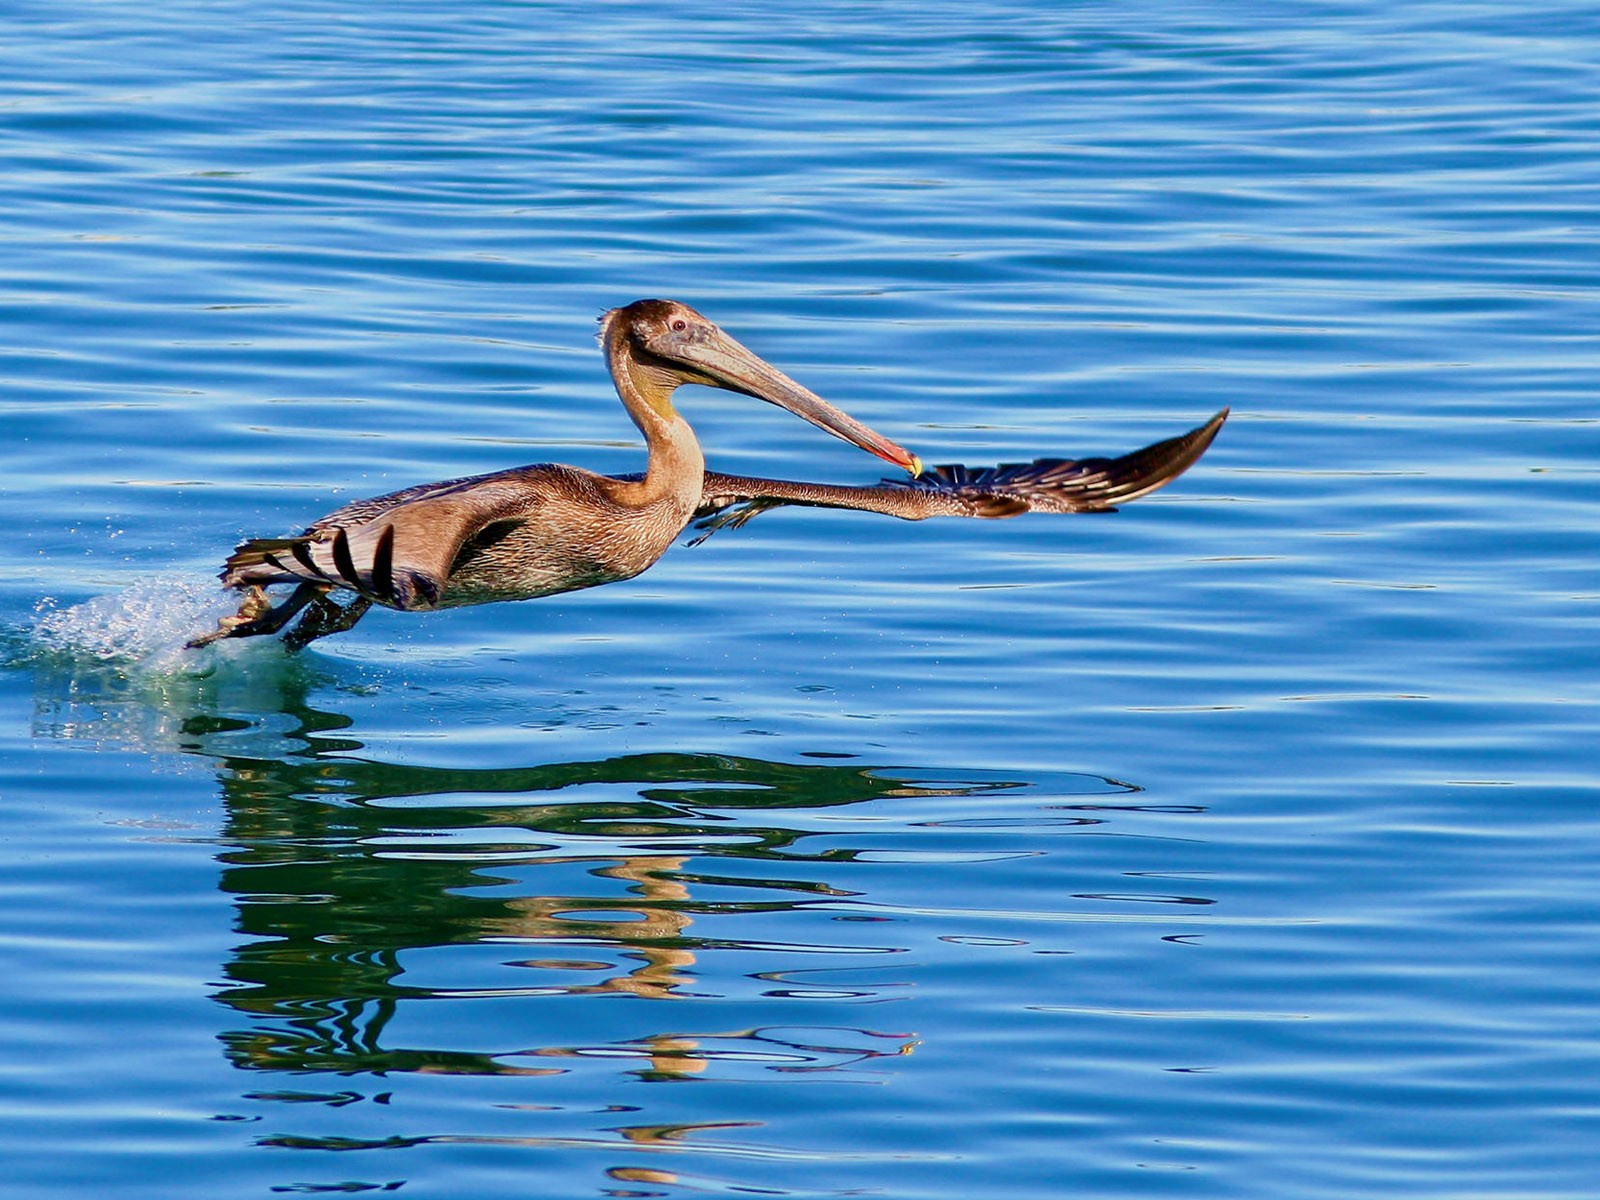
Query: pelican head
[{"x": 671, "y": 344}]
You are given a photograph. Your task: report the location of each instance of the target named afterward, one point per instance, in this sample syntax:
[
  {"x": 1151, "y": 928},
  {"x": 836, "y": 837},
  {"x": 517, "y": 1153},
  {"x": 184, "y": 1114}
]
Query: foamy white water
[
  {"x": 114, "y": 671},
  {"x": 146, "y": 624}
]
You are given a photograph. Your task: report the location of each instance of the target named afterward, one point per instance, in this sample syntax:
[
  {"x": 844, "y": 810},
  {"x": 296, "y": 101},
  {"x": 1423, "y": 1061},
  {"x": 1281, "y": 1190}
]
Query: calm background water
[{"x": 1242, "y": 844}]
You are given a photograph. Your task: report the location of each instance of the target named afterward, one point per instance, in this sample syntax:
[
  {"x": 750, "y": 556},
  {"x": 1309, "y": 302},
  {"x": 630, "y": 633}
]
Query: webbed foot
[{"x": 258, "y": 615}]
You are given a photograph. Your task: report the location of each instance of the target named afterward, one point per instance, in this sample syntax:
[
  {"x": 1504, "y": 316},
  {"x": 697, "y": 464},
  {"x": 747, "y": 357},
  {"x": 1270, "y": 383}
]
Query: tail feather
[{"x": 265, "y": 561}]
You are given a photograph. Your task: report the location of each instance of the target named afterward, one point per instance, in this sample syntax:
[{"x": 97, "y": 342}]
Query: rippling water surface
[{"x": 1241, "y": 844}]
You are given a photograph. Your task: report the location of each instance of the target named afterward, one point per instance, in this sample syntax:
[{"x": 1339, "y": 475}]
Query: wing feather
[
  {"x": 1051, "y": 485},
  {"x": 399, "y": 555}
]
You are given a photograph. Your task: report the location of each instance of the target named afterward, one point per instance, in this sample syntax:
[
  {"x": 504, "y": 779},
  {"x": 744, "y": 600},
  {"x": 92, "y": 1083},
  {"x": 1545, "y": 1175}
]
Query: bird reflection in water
[
  {"x": 353, "y": 876},
  {"x": 510, "y": 923}
]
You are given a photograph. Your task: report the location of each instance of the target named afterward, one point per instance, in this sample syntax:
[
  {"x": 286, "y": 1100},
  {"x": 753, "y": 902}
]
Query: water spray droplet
[{"x": 145, "y": 625}]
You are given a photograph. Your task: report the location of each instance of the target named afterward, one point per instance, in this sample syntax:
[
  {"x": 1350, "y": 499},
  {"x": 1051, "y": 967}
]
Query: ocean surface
[{"x": 1242, "y": 844}]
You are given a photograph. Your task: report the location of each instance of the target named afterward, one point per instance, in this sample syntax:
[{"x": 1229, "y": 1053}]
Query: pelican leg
[
  {"x": 734, "y": 515},
  {"x": 257, "y": 615},
  {"x": 324, "y": 618}
]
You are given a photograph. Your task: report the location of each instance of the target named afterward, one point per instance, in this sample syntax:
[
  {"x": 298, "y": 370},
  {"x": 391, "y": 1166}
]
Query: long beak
[{"x": 729, "y": 365}]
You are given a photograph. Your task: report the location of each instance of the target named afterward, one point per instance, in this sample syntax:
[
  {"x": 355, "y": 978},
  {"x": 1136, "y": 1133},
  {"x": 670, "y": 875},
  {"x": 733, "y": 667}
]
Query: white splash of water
[
  {"x": 143, "y": 626},
  {"x": 114, "y": 671}
]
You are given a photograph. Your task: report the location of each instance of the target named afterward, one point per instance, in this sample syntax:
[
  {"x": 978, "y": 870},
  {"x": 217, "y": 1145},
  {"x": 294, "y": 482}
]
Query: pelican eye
[{"x": 679, "y": 325}]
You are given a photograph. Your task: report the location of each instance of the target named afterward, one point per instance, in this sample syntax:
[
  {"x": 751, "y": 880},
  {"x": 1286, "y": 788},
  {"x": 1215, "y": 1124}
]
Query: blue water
[{"x": 1242, "y": 844}]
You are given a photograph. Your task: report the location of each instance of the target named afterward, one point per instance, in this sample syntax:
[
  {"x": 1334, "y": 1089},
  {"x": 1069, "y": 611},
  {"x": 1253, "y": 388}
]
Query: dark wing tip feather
[
  {"x": 1072, "y": 485},
  {"x": 424, "y": 586},
  {"x": 342, "y": 558},
  {"x": 1142, "y": 472},
  {"x": 412, "y": 590},
  {"x": 383, "y": 567}
]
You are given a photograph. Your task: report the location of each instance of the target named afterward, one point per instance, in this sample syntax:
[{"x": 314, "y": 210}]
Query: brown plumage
[{"x": 538, "y": 530}]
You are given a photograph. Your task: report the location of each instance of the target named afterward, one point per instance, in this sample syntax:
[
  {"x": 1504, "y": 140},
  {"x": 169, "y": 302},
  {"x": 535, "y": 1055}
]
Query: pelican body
[{"x": 539, "y": 530}]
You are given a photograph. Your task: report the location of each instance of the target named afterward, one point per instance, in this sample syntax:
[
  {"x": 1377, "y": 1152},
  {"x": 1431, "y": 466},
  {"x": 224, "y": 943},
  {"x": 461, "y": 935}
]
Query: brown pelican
[{"x": 539, "y": 530}]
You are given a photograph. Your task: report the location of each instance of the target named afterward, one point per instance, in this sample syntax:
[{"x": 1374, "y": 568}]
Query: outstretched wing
[
  {"x": 397, "y": 550},
  {"x": 1055, "y": 485}
]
